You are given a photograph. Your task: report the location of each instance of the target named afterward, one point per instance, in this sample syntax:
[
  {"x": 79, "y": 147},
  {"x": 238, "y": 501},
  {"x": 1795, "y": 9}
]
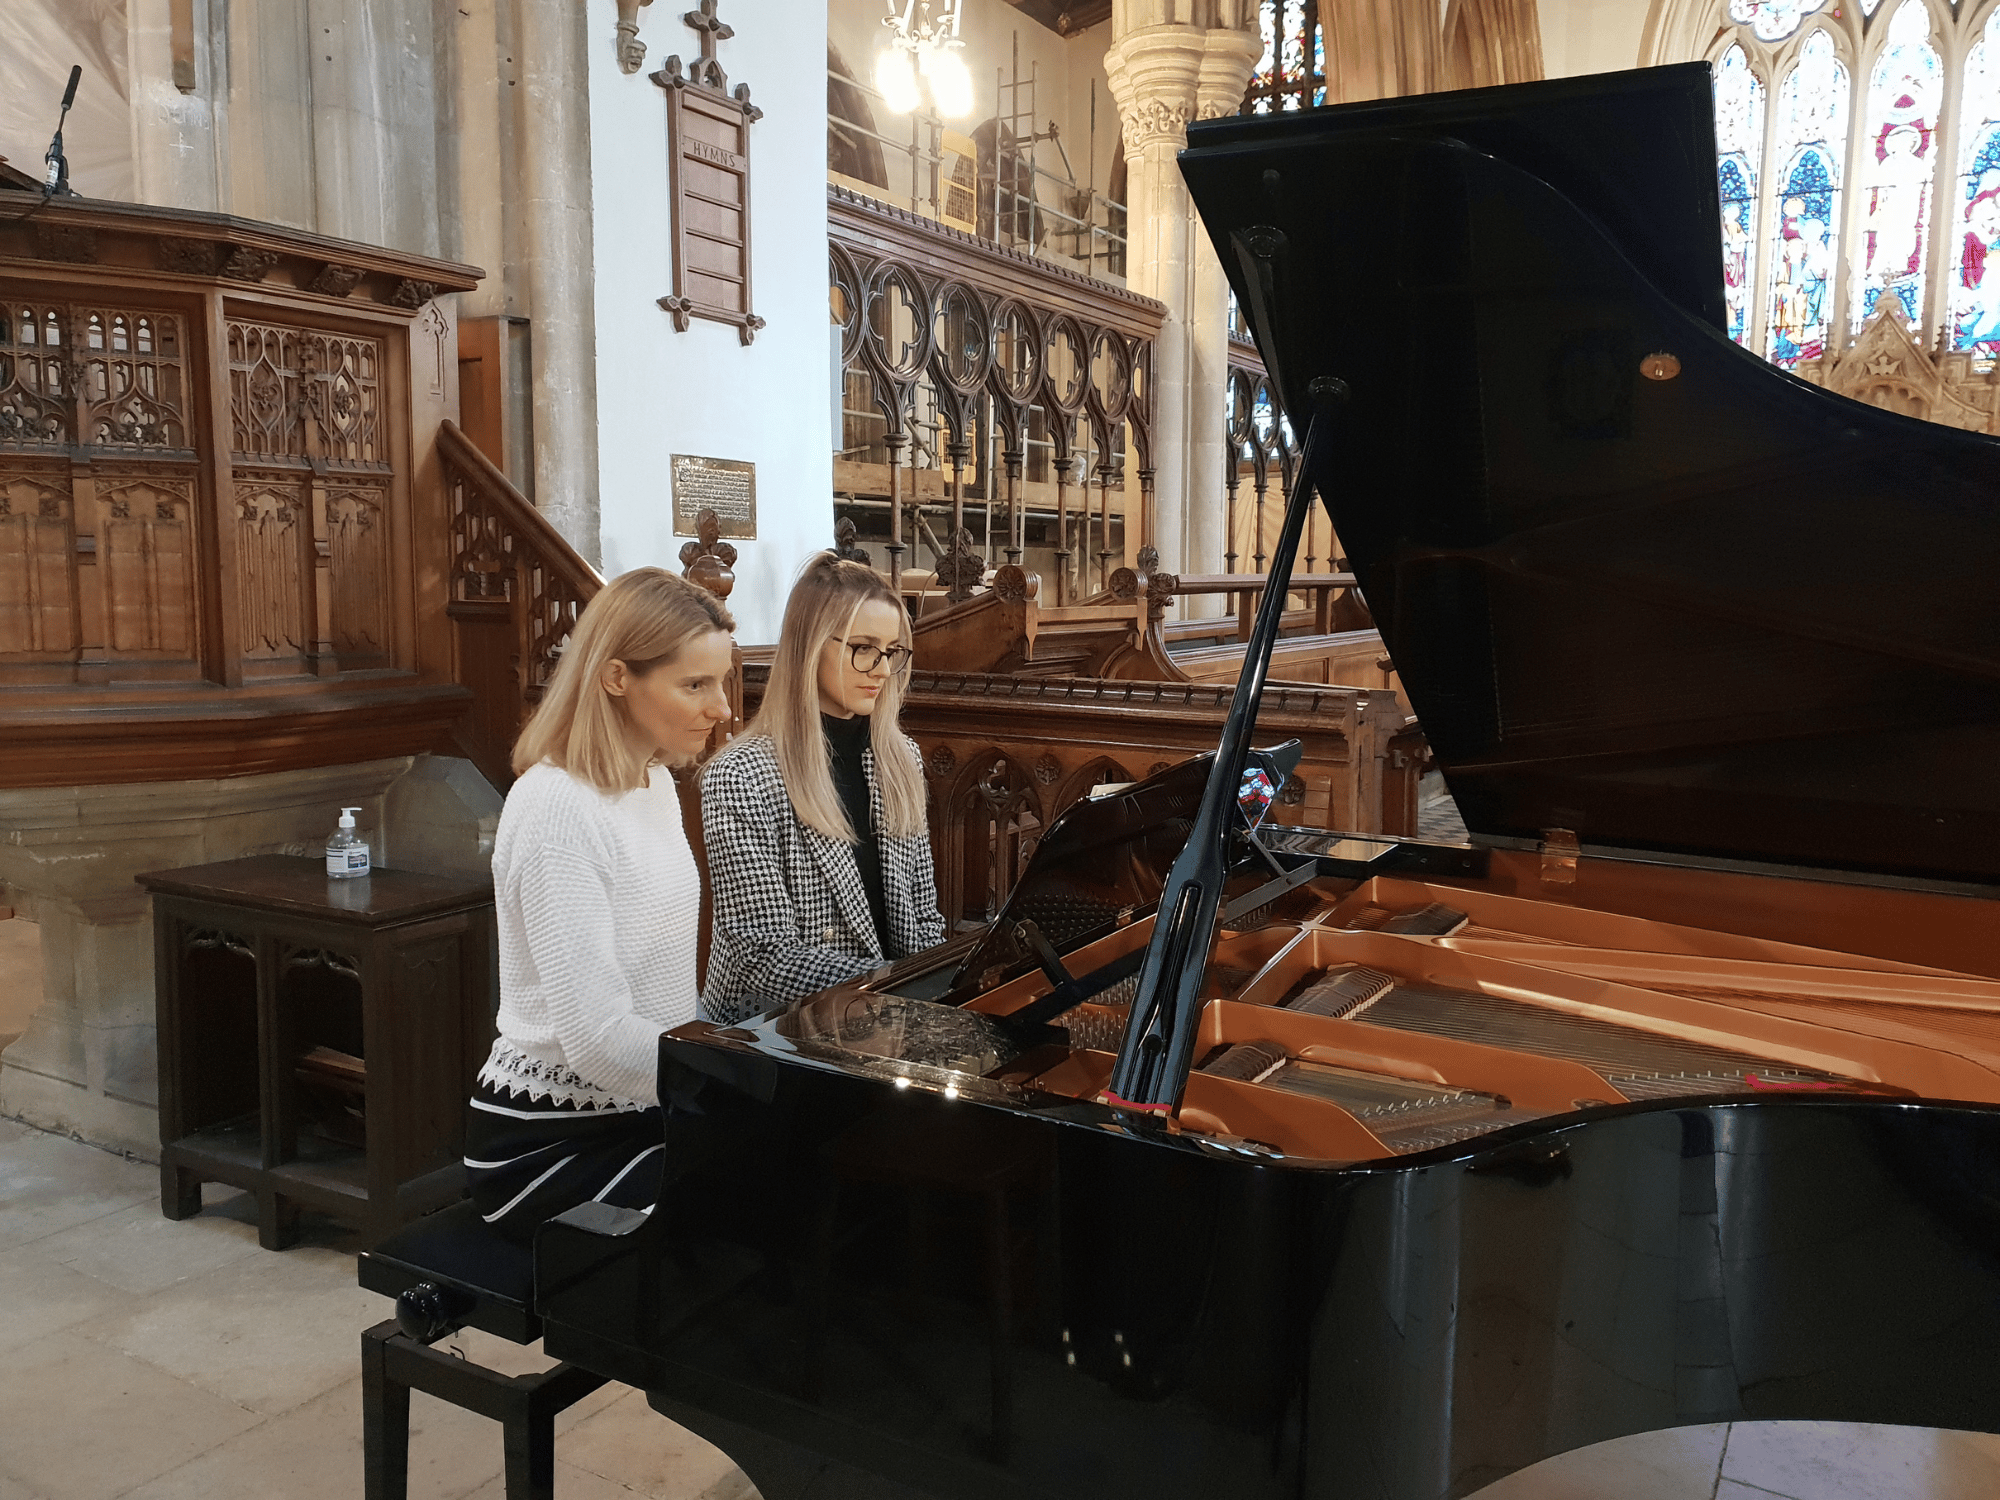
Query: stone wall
[{"x": 87, "y": 1062}]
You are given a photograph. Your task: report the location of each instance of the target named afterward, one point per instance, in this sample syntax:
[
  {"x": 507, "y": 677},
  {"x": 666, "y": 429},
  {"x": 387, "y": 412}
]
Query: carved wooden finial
[
  {"x": 709, "y": 561},
  {"x": 962, "y": 569},
  {"x": 845, "y": 546},
  {"x": 1161, "y": 586},
  {"x": 711, "y": 28}
]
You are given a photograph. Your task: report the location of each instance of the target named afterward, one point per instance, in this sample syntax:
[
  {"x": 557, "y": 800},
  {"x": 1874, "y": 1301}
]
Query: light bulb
[
  {"x": 951, "y": 85},
  {"x": 896, "y": 81}
]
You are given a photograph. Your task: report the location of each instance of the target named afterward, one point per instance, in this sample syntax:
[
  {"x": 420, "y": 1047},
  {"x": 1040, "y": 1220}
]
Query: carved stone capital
[{"x": 1164, "y": 76}]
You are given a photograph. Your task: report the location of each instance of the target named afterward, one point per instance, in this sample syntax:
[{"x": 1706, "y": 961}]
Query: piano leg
[{"x": 784, "y": 1470}]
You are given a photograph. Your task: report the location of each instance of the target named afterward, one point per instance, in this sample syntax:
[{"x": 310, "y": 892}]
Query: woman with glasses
[{"x": 819, "y": 854}]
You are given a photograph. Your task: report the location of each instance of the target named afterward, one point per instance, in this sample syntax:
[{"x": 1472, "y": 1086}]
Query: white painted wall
[
  {"x": 1591, "y": 36},
  {"x": 660, "y": 392}
]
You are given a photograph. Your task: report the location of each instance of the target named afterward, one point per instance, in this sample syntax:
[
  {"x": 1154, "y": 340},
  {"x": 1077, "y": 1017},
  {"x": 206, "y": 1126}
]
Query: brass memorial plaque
[{"x": 727, "y": 486}]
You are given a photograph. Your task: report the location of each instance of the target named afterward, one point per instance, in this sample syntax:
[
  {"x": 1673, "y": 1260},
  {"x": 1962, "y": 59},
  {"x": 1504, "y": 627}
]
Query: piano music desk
[{"x": 389, "y": 985}]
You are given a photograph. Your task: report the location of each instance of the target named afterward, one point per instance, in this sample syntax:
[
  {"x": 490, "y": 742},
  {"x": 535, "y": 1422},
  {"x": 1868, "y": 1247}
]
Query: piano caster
[{"x": 393, "y": 1364}]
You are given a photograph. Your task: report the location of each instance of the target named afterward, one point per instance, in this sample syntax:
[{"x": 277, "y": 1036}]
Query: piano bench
[{"x": 450, "y": 1271}]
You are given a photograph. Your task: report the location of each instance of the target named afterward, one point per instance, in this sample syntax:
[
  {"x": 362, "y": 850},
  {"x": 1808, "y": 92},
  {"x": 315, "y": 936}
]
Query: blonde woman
[
  {"x": 819, "y": 856},
  {"x": 598, "y": 902}
]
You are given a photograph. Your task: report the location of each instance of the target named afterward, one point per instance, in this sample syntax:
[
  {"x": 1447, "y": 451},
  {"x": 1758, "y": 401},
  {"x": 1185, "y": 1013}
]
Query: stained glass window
[
  {"x": 1291, "y": 70},
  {"x": 1805, "y": 192},
  {"x": 1772, "y": 20},
  {"x": 1739, "y": 143},
  {"x": 1894, "y": 171},
  {"x": 1975, "y": 207}
]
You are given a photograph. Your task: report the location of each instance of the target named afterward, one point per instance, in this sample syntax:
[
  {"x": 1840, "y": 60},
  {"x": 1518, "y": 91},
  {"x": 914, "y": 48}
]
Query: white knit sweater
[{"x": 598, "y": 901}]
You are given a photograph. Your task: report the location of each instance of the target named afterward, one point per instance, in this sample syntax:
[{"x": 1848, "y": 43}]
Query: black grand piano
[{"x": 1234, "y": 1160}]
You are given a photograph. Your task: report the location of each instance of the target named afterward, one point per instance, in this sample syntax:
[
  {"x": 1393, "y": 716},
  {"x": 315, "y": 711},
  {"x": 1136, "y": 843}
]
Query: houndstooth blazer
[{"x": 788, "y": 912}]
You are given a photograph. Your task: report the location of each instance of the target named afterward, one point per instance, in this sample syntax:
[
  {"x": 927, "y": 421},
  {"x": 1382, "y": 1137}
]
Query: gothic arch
[
  {"x": 992, "y": 818},
  {"x": 851, "y": 147},
  {"x": 1081, "y": 783}
]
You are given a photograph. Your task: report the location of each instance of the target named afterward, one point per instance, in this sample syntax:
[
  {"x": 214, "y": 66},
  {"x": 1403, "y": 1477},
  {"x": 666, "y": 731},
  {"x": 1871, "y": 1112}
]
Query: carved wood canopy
[{"x": 209, "y": 522}]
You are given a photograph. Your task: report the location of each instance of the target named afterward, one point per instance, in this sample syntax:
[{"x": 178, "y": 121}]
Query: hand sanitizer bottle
[{"x": 346, "y": 854}]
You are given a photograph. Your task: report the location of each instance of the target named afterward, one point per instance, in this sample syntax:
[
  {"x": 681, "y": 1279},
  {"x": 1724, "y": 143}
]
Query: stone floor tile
[
  {"x": 49, "y": 1183},
  {"x": 633, "y": 1445},
  {"x": 1858, "y": 1461},
  {"x": 13, "y": 1489},
  {"x": 137, "y": 1250},
  {"x": 39, "y": 1296},
  {"x": 1729, "y": 1489},
  {"x": 1677, "y": 1464},
  {"x": 14, "y": 1130},
  {"x": 83, "y": 1422},
  {"x": 267, "y": 1331},
  {"x": 506, "y": 1358},
  {"x": 572, "y": 1483}
]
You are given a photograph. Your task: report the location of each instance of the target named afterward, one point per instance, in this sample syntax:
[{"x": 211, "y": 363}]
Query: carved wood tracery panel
[
  {"x": 131, "y": 378},
  {"x": 298, "y": 393},
  {"x": 270, "y": 546},
  {"x": 37, "y": 589},
  {"x": 146, "y": 553},
  {"x": 35, "y": 404},
  {"x": 358, "y": 570}
]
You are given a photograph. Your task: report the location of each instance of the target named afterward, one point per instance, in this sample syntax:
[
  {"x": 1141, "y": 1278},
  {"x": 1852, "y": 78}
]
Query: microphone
[{"x": 57, "y": 180}]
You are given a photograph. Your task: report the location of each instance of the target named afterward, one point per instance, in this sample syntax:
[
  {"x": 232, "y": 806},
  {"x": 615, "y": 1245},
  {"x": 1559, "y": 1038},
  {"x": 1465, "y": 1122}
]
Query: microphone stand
[
  {"x": 1150, "y": 1074},
  {"x": 56, "y": 183}
]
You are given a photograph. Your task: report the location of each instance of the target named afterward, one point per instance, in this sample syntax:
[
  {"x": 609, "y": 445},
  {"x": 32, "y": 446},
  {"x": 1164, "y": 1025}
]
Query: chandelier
[{"x": 920, "y": 47}]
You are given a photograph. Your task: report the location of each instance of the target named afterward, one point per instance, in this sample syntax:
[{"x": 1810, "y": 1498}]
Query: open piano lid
[{"x": 1723, "y": 613}]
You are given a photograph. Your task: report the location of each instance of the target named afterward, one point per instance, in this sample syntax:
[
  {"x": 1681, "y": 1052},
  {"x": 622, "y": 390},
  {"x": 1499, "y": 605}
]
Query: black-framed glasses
[{"x": 866, "y": 655}]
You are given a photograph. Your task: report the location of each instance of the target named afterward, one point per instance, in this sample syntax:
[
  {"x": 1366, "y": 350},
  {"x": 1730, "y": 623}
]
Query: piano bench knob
[{"x": 428, "y": 1312}]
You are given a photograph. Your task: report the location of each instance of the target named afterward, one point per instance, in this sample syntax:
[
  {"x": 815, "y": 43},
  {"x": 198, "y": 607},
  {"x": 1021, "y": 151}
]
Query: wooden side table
[{"x": 318, "y": 1038}]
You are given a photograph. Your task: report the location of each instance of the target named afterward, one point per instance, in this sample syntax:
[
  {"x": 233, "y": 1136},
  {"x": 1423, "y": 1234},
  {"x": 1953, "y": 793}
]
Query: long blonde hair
[
  {"x": 823, "y": 604},
  {"x": 643, "y": 618}
]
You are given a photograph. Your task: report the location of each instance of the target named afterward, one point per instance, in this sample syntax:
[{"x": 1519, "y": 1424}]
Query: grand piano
[{"x": 1672, "y": 1097}]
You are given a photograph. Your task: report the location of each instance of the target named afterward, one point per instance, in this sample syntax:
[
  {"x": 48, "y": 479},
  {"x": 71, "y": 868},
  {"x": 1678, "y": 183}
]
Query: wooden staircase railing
[{"x": 516, "y": 589}]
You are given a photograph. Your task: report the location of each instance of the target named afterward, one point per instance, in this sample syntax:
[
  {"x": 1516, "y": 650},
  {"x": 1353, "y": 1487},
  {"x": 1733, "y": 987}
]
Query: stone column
[
  {"x": 555, "y": 159},
  {"x": 1162, "y": 74},
  {"x": 1381, "y": 49},
  {"x": 179, "y": 140}
]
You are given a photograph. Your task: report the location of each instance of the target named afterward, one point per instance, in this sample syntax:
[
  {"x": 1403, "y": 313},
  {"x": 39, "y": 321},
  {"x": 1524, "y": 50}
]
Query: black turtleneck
[{"x": 845, "y": 740}]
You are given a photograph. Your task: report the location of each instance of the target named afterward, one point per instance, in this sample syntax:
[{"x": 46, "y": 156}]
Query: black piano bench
[{"x": 450, "y": 1271}]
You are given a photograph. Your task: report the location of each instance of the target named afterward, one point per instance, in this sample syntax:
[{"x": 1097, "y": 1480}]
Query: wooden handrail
[{"x": 517, "y": 587}]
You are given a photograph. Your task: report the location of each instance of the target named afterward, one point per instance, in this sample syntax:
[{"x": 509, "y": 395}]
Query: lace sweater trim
[{"x": 509, "y": 1070}]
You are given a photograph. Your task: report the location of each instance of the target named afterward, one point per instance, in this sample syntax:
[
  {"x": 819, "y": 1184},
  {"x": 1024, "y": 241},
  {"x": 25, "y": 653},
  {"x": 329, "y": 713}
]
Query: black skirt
[{"x": 528, "y": 1160}]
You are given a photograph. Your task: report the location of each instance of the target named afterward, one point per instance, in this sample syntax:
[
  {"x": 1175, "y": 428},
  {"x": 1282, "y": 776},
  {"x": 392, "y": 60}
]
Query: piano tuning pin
[
  {"x": 1126, "y": 1359},
  {"x": 1070, "y": 1357},
  {"x": 1117, "y": 1338},
  {"x": 1660, "y": 366}
]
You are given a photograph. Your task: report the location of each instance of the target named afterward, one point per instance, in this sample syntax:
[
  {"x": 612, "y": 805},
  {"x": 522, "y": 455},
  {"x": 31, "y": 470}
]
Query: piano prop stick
[{"x": 1151, "y": 1072}]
